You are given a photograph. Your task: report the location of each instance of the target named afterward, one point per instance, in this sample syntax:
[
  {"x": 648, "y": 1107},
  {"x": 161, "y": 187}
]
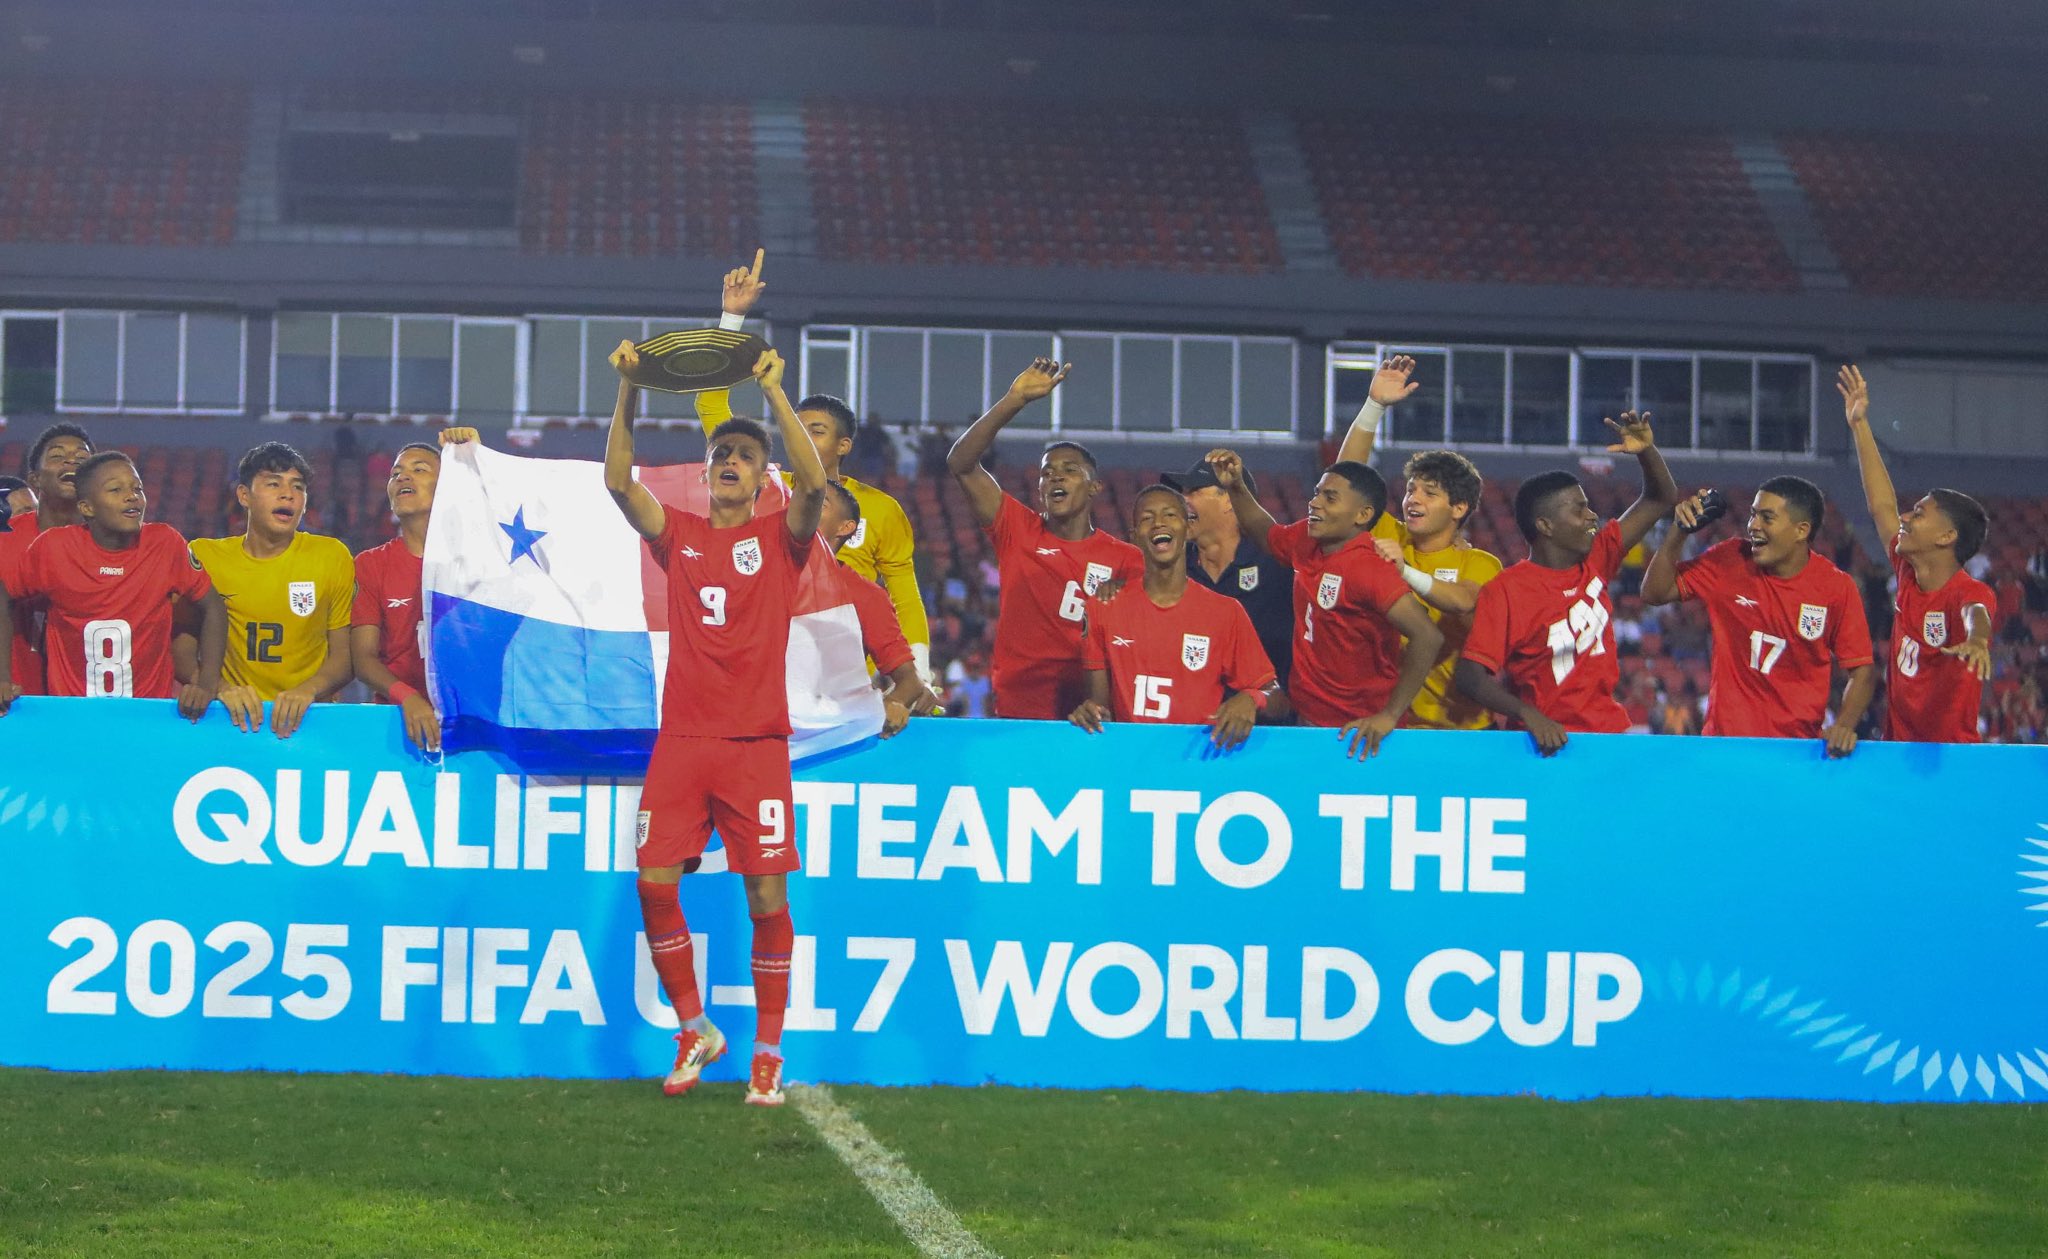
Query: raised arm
[
  {"x": 1660, "y": 579},
  {"x": 1878, "y": 494},
  {"x": 964, "y": 460},
  {"x": 806, "y": 473},
  {"x": 1253, "y": 520},
  {"x": 1660, "y": 492},
  {"x": 636, "y": 502},
  {"x": 1391, "y": 382}
]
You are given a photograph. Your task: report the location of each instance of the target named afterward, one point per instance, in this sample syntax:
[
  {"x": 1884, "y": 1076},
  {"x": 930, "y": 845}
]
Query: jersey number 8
[{"x": 109, "y": 648}]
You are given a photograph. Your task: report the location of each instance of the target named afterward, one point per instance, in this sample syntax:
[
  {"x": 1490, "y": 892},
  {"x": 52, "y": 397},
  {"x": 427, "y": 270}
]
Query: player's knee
[{"x": 766, "y": 894}]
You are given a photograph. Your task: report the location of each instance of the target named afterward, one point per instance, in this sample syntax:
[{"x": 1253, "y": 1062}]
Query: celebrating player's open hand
[
  {"x": 1041, "y": 378},
  {"x": 1632, "y": 434},
  {"x": 1393, "y": 380},
  {"x": 1365, "y": 733},
  {"x": 625, "y": 359},
  {"x": 1090, "y": 716},
  {"x": 1227, "y": 467},
  {"x": 245, "y": 710},
  {"x": 1233, "y": 722},
  {"x": 1855, "y": 395},
  {"x": 743, "y": 287},
  {"x": 1974, "y": 654}
]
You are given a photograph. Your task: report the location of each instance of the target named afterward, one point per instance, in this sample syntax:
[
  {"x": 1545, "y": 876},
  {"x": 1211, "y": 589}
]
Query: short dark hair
[
  {"x": 841, "y": 414},
  {"x": 1456, "y": 474},
  {"x": 1158, "y": 487},
  {"x": 101, "y": 460},
  {"x": 1087, "y": 455},
  {"x": 839, "y": 494},
  {"x": 1801, "y": 495},
  {"x": 1534, "y": 497},
  {"x": 1972, "y": 522},
  {"x": 48, "y": 435},
  {"x": 429, "y": 447},
  {"x": 1366, "y": 481},
  {"x": 271, "y": 457},
  {"x": 745, "y": 428}
]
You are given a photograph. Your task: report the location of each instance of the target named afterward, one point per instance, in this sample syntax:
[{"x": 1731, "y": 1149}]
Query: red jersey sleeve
[
  {"x": 1011, "y": 519},
  {"x": 1094, "y": 651},
  {"x": 881, "y": 634},
  {"x": 662, "y": 546},
  {"x": 1248, "y": 668},
  {"x": 1608, "y": 552},
  {"x": 367, "y": 608},
  {"x": 1852, "y": 640},
  {"x": 1486, "y": 645},
  {"x": 1704, "y": 575},
  {"x": 1287, "y": 543},
  {"x": 31, "y": 576},
  {"x": 1383, "y": 583},
  {"x": 187, "y": 578}
]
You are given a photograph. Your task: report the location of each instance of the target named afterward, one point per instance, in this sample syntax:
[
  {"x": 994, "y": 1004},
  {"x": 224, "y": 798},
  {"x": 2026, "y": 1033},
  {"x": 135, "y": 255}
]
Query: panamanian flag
[{"x": 547, "y": 618}]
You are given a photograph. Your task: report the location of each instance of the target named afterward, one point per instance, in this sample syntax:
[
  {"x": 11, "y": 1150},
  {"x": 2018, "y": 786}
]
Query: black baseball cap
[{"x": 1201, "y": 477}]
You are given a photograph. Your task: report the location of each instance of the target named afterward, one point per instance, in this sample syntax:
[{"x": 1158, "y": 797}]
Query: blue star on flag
[{"x": 523, "y": 538}]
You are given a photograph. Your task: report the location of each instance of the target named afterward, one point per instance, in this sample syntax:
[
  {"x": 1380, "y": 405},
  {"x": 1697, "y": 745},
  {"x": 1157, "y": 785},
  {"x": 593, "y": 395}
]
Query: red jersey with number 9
[
  {"x": 1773, "y": 640},
  {"x": 730, "y": 596},
  {"x": 108, "y": 628},
  {"x": 1046, "y": 584},
  {"x": 1549, "y": 633}
]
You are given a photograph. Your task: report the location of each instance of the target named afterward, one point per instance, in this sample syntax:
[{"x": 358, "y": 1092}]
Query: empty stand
[
  {"x": 1507, "y": 201},
  {"x": 986, "y": 183},
  {"x": 120, "y": 163},
  {"x": 1931, "y": 215}
]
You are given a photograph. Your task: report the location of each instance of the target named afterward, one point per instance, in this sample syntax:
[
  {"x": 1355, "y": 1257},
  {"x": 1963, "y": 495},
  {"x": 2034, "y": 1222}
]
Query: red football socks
[
  {"x": 774, "y": 938},
  {"x": 668, "y": 940}
]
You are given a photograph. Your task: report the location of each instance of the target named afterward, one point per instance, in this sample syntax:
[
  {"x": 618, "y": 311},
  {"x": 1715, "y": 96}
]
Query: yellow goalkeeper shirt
[
  {"x": 1438, "y": 706},
  {"x": 279, "y": 609}
]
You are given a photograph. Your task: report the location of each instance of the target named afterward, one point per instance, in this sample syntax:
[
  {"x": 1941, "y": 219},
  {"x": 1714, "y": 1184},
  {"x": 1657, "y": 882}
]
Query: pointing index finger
[{"x": 760, "y": 252}]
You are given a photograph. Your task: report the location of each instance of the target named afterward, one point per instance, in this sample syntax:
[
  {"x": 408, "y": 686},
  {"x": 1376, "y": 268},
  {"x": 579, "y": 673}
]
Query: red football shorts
[{"x": 740, "y": 787}]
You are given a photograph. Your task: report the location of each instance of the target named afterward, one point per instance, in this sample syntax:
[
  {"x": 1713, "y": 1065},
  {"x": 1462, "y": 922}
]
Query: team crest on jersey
[
  {"x": 1934, "y": 628},
  {"x": 1326, "y": 594},
  {"x": 1247, "y": 579},
  {"x": 1813, "y": 621},
  {"x": 640, "y": 829},
  {"x": 1194, "y": 651},
  {"x": 746, "y": 556},
  {"x": 860, "y": 532},
  {"x": 303, "y": 598},
  {"x": 1094, "y": 577}
]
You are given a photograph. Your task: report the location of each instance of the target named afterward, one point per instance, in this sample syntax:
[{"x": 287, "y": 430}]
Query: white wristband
[
  {"x": 1418, "y": 581},
  {"x": 731, "y": 322},
  {"x": 921, "y": 656},
  {"x": 1369, "y": 416}
]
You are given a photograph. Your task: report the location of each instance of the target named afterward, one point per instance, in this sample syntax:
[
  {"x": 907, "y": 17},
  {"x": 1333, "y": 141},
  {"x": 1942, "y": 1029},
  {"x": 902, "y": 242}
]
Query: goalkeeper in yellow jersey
[
  {"x": 1425, "y": 538},
  {"x": 288, "y": 593},
  {"x": 882, "y": 547}
]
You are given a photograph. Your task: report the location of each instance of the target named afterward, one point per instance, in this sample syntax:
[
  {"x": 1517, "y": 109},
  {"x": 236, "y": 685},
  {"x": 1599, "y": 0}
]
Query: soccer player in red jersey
[
  {"x": 109, "y": 582},
  {"x": 1544, "y": 623},
  {"x": 1172, "y": 650},
  {"x": 881, "y": 633},
  {"x": 1051, "y": 560},
  {"x": 1935, "y": 684},
  {"x": 53, "y": 462},
  {"x": 721, "y": 758},
  {"x": 386, "y": 616},
  {"x": 1779, "y": 613},
  {"x": 1351, "y": 606}
]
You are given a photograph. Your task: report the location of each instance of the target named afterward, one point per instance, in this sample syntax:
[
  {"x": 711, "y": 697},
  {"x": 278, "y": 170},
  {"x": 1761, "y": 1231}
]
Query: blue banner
[{"x": 1028, "y": 904}]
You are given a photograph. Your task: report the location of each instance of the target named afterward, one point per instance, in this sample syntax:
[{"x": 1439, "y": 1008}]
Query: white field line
[{"x": 925, "y": 1220}]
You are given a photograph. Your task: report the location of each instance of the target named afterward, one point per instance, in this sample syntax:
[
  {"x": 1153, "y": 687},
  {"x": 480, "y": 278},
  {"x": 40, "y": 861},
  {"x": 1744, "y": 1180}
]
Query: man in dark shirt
[{"x": 1220, "y": 558}]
